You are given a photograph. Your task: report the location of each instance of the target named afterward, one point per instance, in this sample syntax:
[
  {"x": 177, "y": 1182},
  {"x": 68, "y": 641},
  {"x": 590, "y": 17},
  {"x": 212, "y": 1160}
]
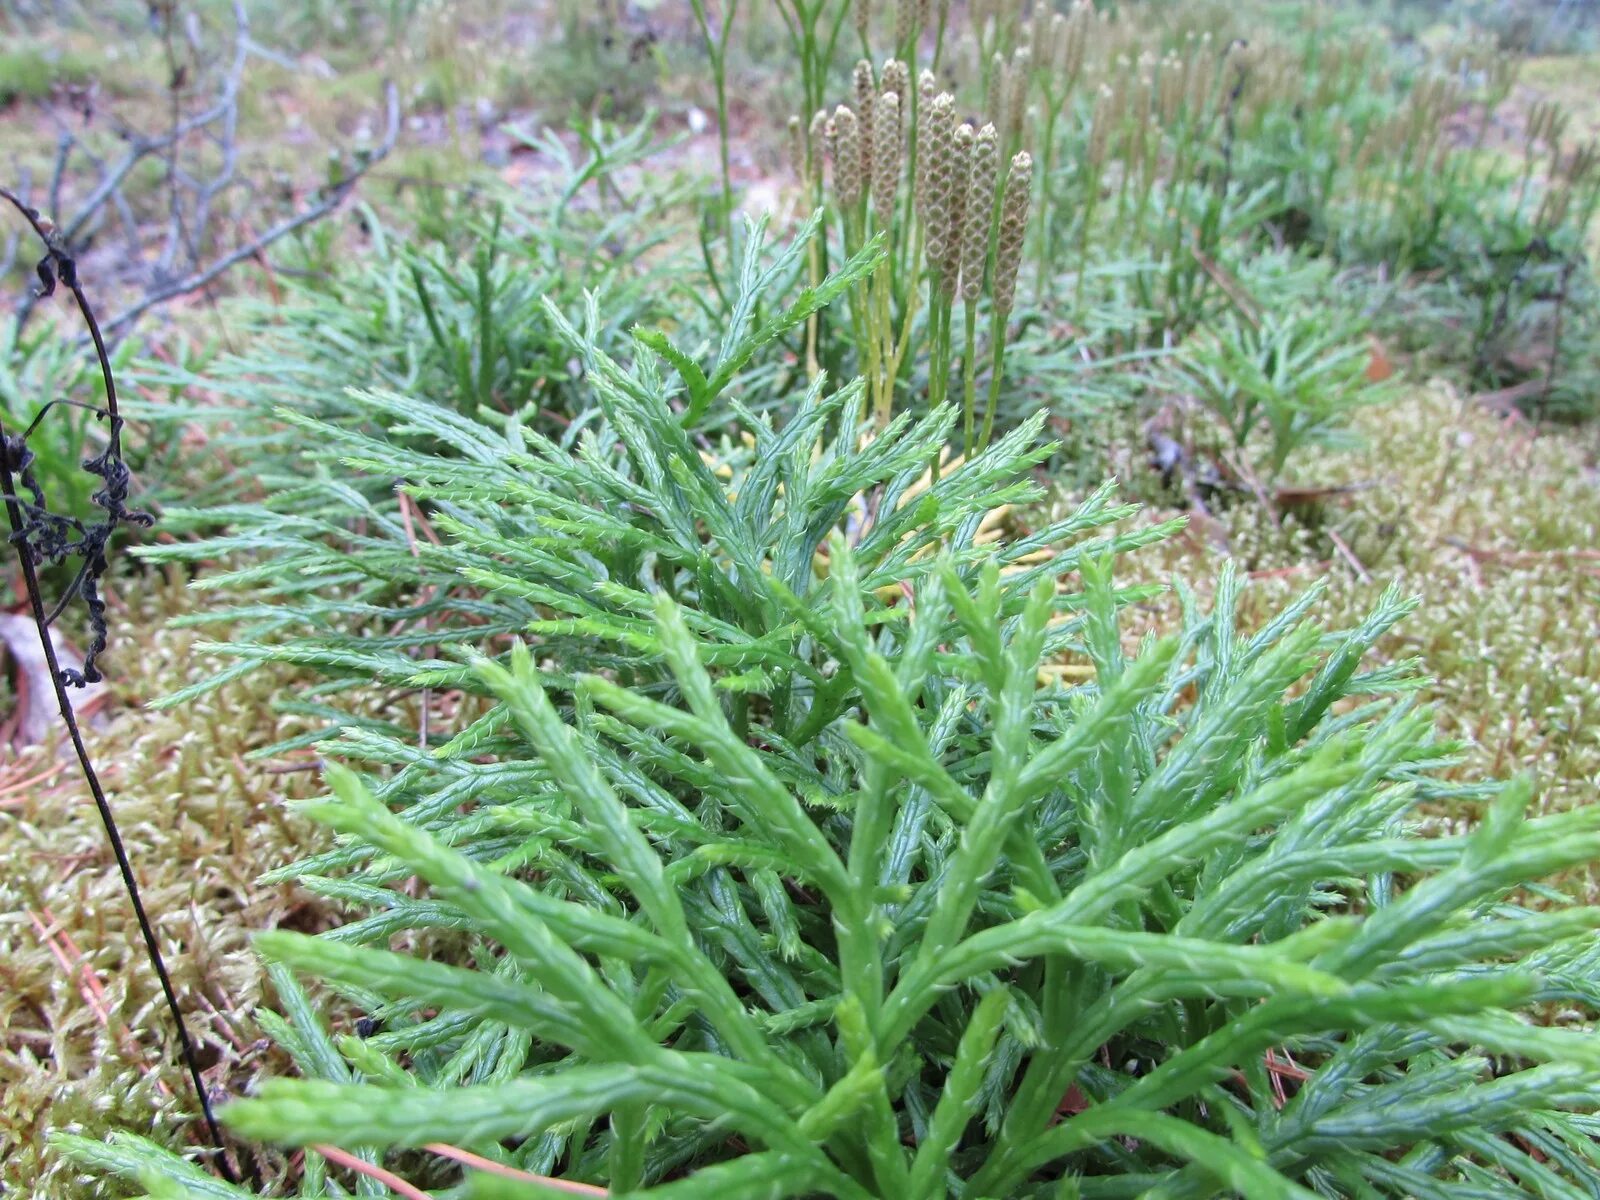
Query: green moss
[
  {"x": 201, "y": 823},
  {"x": 1494, "y": 524},
  {"x": 31, "y": 72},
  {"x": 1568, "y": 78}
]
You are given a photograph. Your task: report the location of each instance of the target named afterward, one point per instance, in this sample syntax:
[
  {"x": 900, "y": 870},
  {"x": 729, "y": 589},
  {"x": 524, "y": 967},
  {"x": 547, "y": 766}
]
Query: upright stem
[
  {"x": 896, "y": 348},
  {"x": 861, "y": 307},
  {"x": 997, "y": 338},
  {"x": 1091, "y": 201},
  {"x": 719, "y": 69},
  {"x": 814, "y": 266},
  {"x": 939, "y": 353},
  {"x": 879, "y": 338},
  {"x": 969, "y": 374},
  {"x": 1046, "y": 156},
  {"x": 717, "y": 52}
]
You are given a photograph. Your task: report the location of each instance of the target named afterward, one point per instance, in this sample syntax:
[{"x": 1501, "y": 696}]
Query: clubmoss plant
[
  {"x": 813, "y": 29},
  {"x": 1295, "y": 374},
  {"x": 936, "y": 962},
  {"x": 1168, "y": 144},
  {"x": 788, "y": 860}
]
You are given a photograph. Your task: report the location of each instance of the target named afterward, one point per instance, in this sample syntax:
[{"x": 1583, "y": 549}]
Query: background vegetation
[{"x": 1314, "y": 279}]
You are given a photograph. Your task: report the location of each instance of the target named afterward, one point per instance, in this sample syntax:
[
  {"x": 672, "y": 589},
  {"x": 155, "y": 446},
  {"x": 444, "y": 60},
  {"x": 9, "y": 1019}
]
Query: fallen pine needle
[
  {"x": 91, "y": 993},
  {"x": 76, "y": 966},
  {"x": 23, "y": 785},
  {"x": 389, "y": 1179},
  {"x": 467, "y": 1158}
]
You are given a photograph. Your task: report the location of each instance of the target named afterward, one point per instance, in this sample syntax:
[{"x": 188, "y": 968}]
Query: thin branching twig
[
  {"x": 187, "y": 258},
  {"x": 330, "y": 199}
]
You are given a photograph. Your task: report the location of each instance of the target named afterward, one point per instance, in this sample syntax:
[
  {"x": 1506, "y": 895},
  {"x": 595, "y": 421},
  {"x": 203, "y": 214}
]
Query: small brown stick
[
  {"x": 1279, "y": 1070},
  {"x": 1348, "y": 555},
  {"x": 477, "y": 1161},
  {"x": 1253, "y": 482},
  {"x": 1519, "y": 557},
  {"x": 22, "y": 785},
  {"x": 1232, "y": 288},
  {"x": 388, "y": 1178},
  {"x": 88, "y": 987},
  {"x": 73, "y": 962}
]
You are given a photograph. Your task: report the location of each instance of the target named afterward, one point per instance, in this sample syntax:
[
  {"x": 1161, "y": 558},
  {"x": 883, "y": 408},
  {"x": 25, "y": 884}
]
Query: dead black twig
[{"x": 41, "y": 536}]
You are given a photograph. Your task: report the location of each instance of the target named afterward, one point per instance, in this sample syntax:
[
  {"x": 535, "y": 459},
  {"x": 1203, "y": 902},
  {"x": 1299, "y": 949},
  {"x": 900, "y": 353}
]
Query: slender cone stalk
[
  {"x": 943, "y": 24},
  {"x": 1053, "y": 53},
  {"x": 1094, "y": 166},
  {"x": 947, "y": 201},
  {"x": 896, "y": 78},
  {"x": 1017, "y": 94},
  {"x": 816, "y": 137},
  {"x": 848, "y": 184},
  {"x": 906, "y": 25},
  {"x": 1014, "y": 206},
  {"x": 886, "y": 155},
  {"x": 994, "y": 104},
  {"x": 939, "y": 175}
]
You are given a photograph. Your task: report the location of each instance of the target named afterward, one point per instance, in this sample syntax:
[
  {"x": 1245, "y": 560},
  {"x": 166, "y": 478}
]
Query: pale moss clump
[
  {"x": 201, "y": 823},
  {"x": 1495, "y": 525}
]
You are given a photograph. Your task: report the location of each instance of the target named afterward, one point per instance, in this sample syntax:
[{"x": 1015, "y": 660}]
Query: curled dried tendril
[{"x": 54, "y": 538}]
